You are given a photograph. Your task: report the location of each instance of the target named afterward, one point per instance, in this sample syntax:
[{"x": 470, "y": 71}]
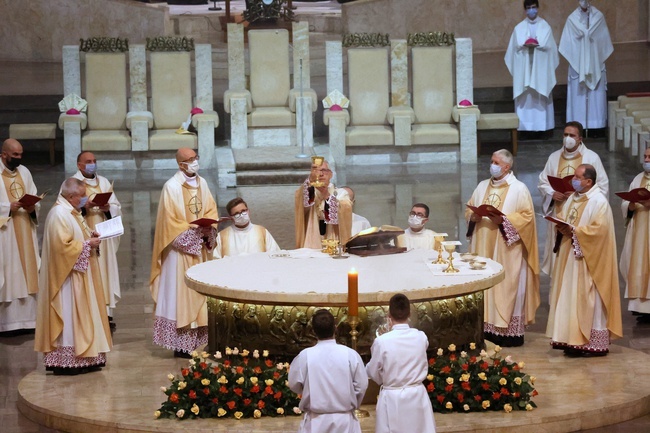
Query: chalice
[
  {"x": 440, "y": 237},
  {"x": 317, "y": 161},
  {"x": 450, "y": 247}
]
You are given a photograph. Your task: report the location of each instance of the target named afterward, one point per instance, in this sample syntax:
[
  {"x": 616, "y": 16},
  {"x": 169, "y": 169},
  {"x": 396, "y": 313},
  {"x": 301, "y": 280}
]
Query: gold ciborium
[
  {"x": 450, "y": 247},
  {"x": 317, "y": 161},
  {"x": 440, "y": 237},
  {"x": 330, "y": 246}
]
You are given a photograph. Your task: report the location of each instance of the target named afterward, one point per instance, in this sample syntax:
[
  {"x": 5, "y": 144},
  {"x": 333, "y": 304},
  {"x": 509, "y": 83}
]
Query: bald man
[
  {"x": 181, "y": 314},
  {"x": 19, "y": 260}
]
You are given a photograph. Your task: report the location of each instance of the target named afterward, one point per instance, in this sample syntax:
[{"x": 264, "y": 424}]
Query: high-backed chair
[{"x": 620, "y": 118}]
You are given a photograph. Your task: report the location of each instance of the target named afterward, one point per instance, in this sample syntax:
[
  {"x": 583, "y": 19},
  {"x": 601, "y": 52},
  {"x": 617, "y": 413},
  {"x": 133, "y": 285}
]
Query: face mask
[
  {"x": 569, "y": 144},
  {"x": 495, "y": 170},
  {"x": 12, "y": 163},
  {"x": 531, "y": 13},
  {"x": 242, "y": 219},
  {"x": 576, "y": 184},
  {"x": 83, "y": 202},
  {"x": 192, "y": 167},
  {"x": 91, "y": 168},
  {"x": 584, "y": 4},
  {"x": 646, "y": 167},
  {"x": 415, "y": 222}
]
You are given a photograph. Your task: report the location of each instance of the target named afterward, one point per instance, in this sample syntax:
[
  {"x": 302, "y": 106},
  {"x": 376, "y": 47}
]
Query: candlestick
[{"x": 353, "y": 292}]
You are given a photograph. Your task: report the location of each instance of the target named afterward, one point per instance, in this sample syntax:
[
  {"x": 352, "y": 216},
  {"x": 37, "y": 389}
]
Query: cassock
[
  {"x": 422, "y": 240},
  {"x": 399, "y": 364},
  {"x": 234, "y": 241},
  {"x": 332, "y": 380},
  {"x": 512, "y": 303},
  {"x": 586, "y": 45},
  {"x": 19, "y": 259},
  {"x": 635, "y": 257},
  {"x": 317, "y": 218},
  {"x": 533, "y": 74},
  {"x": 561, "y": 164},
  {"x": 72, "y": 326},
  {"x": 108, "y": 268},
  {"x": 181, "y": 313},
  {"x": 585, "y": 308}
]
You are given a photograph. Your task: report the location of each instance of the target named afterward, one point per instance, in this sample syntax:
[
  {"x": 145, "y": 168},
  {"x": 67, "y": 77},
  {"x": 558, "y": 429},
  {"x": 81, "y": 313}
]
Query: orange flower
[
  {"x": 516, "y": 394},
  {"x": 239, "y": 369},
  {"x": 276, "y": 375},
  {"x": 223, "y": 390},
  {"x": 277, "y": 395},
  {"x": 535, "y": 392},
  {"x": 197, "y": 375},
  {"x": 203, "y": 365},
  {"x": 216, "y": 370},
  {"x": 238, "y": 391},
  {"x": 472, "y": 359},
  {"x": 185, "y": 371},
  {"x": 445, "y": 369},
  {"x": 268, "y": 390},
  {"x": 432, "y": 361},
  {"x": 192, "y": 394},
  {"x": 430, "y": 387},
  {"x": 255, "y": 389},
  {"x": 515, "y": 367},
  {"x": 231, "y": 405},
  {"x": 258, "y": 369},
  {"x": 452, "y": 357},
  {"x": 247, "y": 401},
  {"x": 226, "y": 363},
  {"x": 173, "y": 398},
  {"x": 261, "y": 404},
  {"x": 206, "y": 391},
  {"x": 268, "y": 363}
]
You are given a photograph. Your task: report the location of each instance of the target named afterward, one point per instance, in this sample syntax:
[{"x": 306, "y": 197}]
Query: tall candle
[{"x": 353, "y": 292}]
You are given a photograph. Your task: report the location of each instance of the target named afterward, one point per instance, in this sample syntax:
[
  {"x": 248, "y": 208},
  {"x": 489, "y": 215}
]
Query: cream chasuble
[
  {"x": 520, "y": 288},
  {"x": 234, "y": 241},
  {"x": 635, "y": 257},
  {"x": 310, "y": 210}
]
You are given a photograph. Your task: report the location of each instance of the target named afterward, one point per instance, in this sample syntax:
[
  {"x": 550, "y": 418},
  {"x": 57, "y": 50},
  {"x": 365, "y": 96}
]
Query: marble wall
[
  {"x": 35, "y": 30},
  {"x": 488, "y": 23}
]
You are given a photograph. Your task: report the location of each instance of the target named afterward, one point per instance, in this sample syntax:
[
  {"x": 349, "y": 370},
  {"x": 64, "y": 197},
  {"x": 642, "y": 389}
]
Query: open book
[
  {"x": 101, "y": 199},
  {"x": 207, "y": 222},
  {"x": 561, "y": 184},
  {"x": 556, "y": 220},
  {"x": 110, "y": 228},
  {"x": 636, "y": 195},
  {"x": 28, "y": 200},
  {"x": 485, "y": 210}
]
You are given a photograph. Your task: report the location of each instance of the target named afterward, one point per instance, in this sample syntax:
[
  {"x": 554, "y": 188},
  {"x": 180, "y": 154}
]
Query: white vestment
[
  {"x": 332, "y": 380},
  {"x": 108, "y": 251},
  {"x": 399, "y": 365},
  {"x": 635, "y": 257},
  {"x": 235, "y": 241},
  {"x": 17, "y": 301},
  {"x": 562, "y": 164},
  {"x": 422, "y": 240},
  {"x": 586, "y": 45},
  {"x": 359, "y": 223},
  {"x": 533, "y": 74}
]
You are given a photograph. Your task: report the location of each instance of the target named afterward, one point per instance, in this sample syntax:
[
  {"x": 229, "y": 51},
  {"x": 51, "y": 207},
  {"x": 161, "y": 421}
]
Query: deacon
[
  {"x": 416, "y": 236},
  {"x": 399, "y": 364},
  {"x": 510, "y": 238},
  {"x": 586, "y": 45},
  {"x": 72, "y": 326},
  {"x": 181, "y": 313},
  {"x": 532, "y": 59},
  {"x": 319, "y": 212},
  {"x": 243, "y": 237},
  {"x": 563, "y": 163},
  {"x": 585, "y": 306},
  {"x": 635, "y": 258},
  {"x": 332, "y": 380},
  {"x": 19, "y": 259},
  {"x": 95, "y": 214}
]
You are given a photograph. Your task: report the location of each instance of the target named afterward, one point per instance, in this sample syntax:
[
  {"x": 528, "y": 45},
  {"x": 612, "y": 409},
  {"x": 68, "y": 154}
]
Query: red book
[
  {"x": 101, "y": 199},
  {"x": 29, "y": 200},
  {"x": 556, "y": 220},
  {"x": 207, "y": 222},
  {"x": 561, "y": 184},
  {"x": 636, "y": 195},
  {"x": 485, "y": 210}
]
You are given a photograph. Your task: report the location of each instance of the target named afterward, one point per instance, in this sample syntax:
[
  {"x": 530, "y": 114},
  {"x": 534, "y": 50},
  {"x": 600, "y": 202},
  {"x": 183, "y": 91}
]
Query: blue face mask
[
  {"x": 646, "y": 167},
  {"x": 83, "y": 202},
  {"x": 531, "y": 13},
  {"x": 576, "y": 184},
  {"x": 91, "y": 168},
  {"x": 495, "y": 170}
]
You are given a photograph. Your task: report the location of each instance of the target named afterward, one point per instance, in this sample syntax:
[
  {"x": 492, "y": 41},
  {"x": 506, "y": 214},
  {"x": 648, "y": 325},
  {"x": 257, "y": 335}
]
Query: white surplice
[
  {"x": 533, "y": 74},
  {"x": 422, "y": 240},
  {"x": 399, "y": 364},
  {"x": 235, "y": 241},
  {"x": 586, "y": 44},
  {"x": 359, "y": 223},
  {"x": 332, "y": 380}
]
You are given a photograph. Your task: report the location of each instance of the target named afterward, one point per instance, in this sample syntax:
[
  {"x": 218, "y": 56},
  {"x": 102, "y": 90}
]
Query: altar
[{"x": 265, "y": 301}]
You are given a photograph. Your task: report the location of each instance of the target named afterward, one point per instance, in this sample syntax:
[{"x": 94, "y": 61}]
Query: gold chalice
[
  {"x": 440, "y": 237},
  {"x": 450, "y": 247},
  {"x": 317, "y": 161}
]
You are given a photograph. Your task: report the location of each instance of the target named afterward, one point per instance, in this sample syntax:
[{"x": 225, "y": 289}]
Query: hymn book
[
  {"x": 101, "y": 199},
  {"x": 636, "y": 195},
  {"x": 207, "y": 222},
  {"x": 28, "y": 200},
  {"x": 110, "y": 228},
  {"x": 485, "y": 210},
  {"x": 561, "y": 184},
  {"x": 556, "y": 220}
]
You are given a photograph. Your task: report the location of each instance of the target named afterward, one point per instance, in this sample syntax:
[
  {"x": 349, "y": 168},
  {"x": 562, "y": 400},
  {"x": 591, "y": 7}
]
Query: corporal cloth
[
  {"x": 234, "y": 241},
  {"x": 19, "y": 259},
  {"x": 399, "y": 364},
  {"x": 332, "y": 380}
]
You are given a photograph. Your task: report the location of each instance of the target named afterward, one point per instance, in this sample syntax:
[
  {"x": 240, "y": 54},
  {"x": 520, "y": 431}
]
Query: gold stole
[
  {"x": 495, "y": 195},
  {"x": 15, "y": 188},
  {"x": 574, "y": 213}
]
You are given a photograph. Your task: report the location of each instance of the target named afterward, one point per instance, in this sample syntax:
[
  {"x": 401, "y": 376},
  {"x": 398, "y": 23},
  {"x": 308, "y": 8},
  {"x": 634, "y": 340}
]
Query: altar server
[
  {"x": 19, "y": 259},
  {"x": 510, "y": 238},
  {"x": 635, "y": 258},
  {"x": 585, "y": 305},
  {"x": 181, "y": 313},
  {"x": 416, "y": 236},
  {"x": 243, "y": 237},
  {"x": 332, "y": 380},
  {"x": 532, "y": 59},
  {"x": 398, "y": 363},
  {"x": 71, "y": 326}
]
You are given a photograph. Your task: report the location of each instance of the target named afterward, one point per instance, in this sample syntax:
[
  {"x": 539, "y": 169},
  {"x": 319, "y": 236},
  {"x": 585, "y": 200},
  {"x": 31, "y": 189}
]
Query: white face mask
[
  {"x": 242, "y": 219},
  {"x": 646, "y": 167},
  {"x": 415, "y": 222},
  {"x": 569, "y": 144},
  {"x": 495, "y": 170},
  {"x": 192, "y": 167}
]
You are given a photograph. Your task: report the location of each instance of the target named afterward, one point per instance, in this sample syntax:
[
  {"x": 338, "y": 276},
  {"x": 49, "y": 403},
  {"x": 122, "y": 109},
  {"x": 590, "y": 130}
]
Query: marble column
[
  {"x": 71, "y": 84},
  {"x": 203, "y": 80},
  {"x": 138, "y": 100},
  {"x": 336, "y": 122},
  {"x": 237, "y": 104},
  {"x": 465, "y": 90},
  {"x": 334, "y": 66}
]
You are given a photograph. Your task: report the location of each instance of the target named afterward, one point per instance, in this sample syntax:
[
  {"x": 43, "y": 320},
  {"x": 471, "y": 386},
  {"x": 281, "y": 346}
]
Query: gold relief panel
[
  {"x": 104, "y": 45},
  {"x": 355, "y": 40},
  {"x": 430, "y": 39},
  {"x": 170, "y": 43}
]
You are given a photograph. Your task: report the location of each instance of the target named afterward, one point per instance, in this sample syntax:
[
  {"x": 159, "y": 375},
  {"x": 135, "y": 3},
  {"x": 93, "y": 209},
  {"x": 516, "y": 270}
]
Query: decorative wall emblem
[
  {"x": 356, "y": 40},
  {"x": 104, "y": 45},
  {"x": 431, "y": 39},
  {"x": 170, "y": 43}
]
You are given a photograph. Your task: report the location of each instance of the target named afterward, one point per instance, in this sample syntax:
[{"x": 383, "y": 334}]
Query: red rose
[
  {"x": 505, "y": 391},
  {"x": 448, "y": 388},
  {"x": 197, "y": 375},
  {"x": 269, "y": 390},
  {"x": 257, "y": 370},
  {"x": 460, "y": 397},
  {"x": 185, "y": 371},
  {"x": 477, "y": 398},
  {"x": 215, "y": 400},
  {"x": 268, "y": 363},
  {"x": 223, "y": 390},
  {"x": 484, "y": 365},
  {"x": 485, "y": 386},
  {"x": 277, "y": 395},
  {"x": 441, "y": 398},
  {"x": 261, "y": 404},
  {"x": 497, "y": 362},
  {"x": 535, "y": 392},
  {"x": 465, "y": 367},
  {"x": 445, "y": 369},
  {"x": 466, "y": 386},
  {"x": 276, "y": 375},
  {"x": 430, "y": 387},
  {"x": 216, "y": 370},
  {"x": 231, "y": 405},
  {"x": 226, "y": 363},
  {"x": 173, "y": 398},
  {"x": 247, "y": 401},
  {"x": 472, "y": 359},
  {"x": 245, "y": 361},
  {"x": 238, "y": 391},
  {"x": 192, "y": 394},
  {"x": 239, "y": 369},
  {"x": 432, "y": 361},
  {"x": 206, "y": 391},
  {"x": 515, "y": 367},
  {"x": 516, "y": 394},
  {"x": 203, "y": 365},
  {"x": 452, "y": 357},
  {"x": 505, "y": 370},
  {"x": 496, "y": 396},
  {"x": 255, "y": 389}
]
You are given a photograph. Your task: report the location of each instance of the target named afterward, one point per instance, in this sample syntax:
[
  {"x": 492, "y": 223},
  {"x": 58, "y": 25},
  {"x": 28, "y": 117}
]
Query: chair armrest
[
  {"x": 294, "y": 94},
  {"x": 402, "y": 111},
  {"x": 343, "y": 114},
  {"x": 456, "y": 112},
  {"x": 209, "y": 116},
  {"x": 234, "y": 94},
  {"x": 73, "y": 118},
  {"x": 138, "y": 116}
]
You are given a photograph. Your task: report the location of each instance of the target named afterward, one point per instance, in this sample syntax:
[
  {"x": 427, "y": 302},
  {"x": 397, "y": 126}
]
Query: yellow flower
[
  {"x": 449, "y": 405},
  {"x": 182, "y": 385},
  {"x": 240, "y": 380},
  {"x": 450, "y": 381},
  {"x": 440, "y": 352},
  {"x": 254, "y": 380},
  {"x": 497, "y": 349},
  {"x": 430, "y": 377},
  {"x": 256, "y": 353},
  {"x": 465, "y": 407},
  {"x": 485, "y": 404},
  {"x": 222, "y": 380},
  {"x": 257, "y": 414},
  {"x": 522, "y": 364},
  {"x": 452, "y": 347},
  {"x": 195, "y": 409},
  {"x": 244, "y": 352},
  {"x": 170, "y": 377},
  {"x": 265, "y": 353},
  {"x": 157, "y": 414},
  {"x": 180, "y": 413},
  {"x": 280, "y": 411},
  {"x": 205, "y": 382},
  {"x": 221, "y": 412},
  {"x": 502, "y": 381},
  {"x": 194, "y": 354},
  {"x": 529, "y": 407},
  {"x": 507, "y": 408},
  {"x": 464, "y": 377},
  {"x": 228, "y": 351},
  {"x": 268, "y": 382},
  {"x": 518, "y": 380},
  {"x": 532, "y": 380},
  {"x": 472, "y": 346},
  {"x": 205, "y": 354},
  {"x": 482, "y": 376},
  {"x": 238, "y": 415}
]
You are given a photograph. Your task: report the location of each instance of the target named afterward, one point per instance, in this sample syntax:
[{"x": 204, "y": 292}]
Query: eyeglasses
[
  {"x": 238, "y": 214},
  {"x": 420, "y": 214},
  {"x": 196, "y": 158}
]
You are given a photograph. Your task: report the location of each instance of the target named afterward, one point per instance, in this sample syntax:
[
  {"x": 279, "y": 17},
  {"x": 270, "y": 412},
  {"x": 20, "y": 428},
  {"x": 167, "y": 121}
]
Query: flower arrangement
[
  {"x": 241, "y": 385},
  {"x": 468, "y": 383}
]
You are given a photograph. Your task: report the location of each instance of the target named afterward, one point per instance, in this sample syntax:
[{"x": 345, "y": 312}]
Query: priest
[
  {"x": 181, "y": 313},
  {"x": 635, "y": 257},
  {"x": 585, "y": 306},
  {"x": 508, "y": 236},
  {"x": 71, "y": 326},
  {"x": 19, "y": 259}
]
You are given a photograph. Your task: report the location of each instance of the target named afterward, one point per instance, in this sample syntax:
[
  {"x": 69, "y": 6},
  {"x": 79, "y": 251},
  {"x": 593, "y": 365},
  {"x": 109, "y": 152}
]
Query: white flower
[
  {"x": 235, "y": 351},
  {"x": 254, "y": 380},
  {"x": 450, "y": 381},
  {"x": 163, "y": 389},
  {"x": 217, "y": 355},
  {"x": 507, "y": 408},
  {"x": 440, "y": 351},
  {"x": 228, "y": 351},
  {"x": 222, "y": 380},
  {"x": 157, "y": 414},
  {"x": 192, "y": 362},
  {"x": 205, "y": 354},
  {"x": 194, "y": 354},
  {"x": 182, "y": 385},
  {"x": 497, "y": 349},
  {"x": 509, "y": 360},
  {"x": 170, "y": 377},
  {"x": 503, "y": 381},
  {"x": 238, "y": 415},
  {"x": 518, "y": 380},
  {"x": 532, "y": 380},
  {"x": 449, "y": 405},
  {"x": 265, "y": 353},
  {"x": 268, "y": 382},
  {"x": 256, "y": 353},
  {"x": 465, "y": 407},
  {"x": 240, "y": 380},
  {"x": 529, "y": 407},
  {"x": 483, "y": 354},
  {"x": 221, "y": 412},
  {"x": 521, "y": 365},
  {"x": 180, "y": 413},
  {"x": 463, "y": 354},
  {"x": 430, "y": 377},
  {"x": 205, "y": 382},
  {"x": 280, "y": 366},
  {"x": 297, "y": 411},
  {"x": 452, "y": 347}
]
